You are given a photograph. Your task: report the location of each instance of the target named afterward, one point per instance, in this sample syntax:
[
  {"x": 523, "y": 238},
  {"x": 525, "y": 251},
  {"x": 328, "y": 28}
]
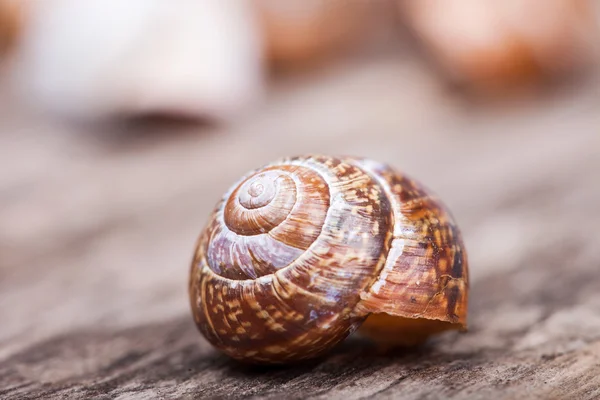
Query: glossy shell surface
[{"x": 300, "y": 252}]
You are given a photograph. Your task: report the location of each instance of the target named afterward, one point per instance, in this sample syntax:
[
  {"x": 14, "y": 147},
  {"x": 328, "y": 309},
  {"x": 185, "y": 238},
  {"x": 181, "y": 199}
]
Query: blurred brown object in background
[
  {"x": 10, "y": 23},
  {"x": 488, "y": 44},
  {"x": 299, "y": 33}
]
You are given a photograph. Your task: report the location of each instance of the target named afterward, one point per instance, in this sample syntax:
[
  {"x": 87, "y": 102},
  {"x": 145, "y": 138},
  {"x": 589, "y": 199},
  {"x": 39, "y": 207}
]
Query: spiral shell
[{"x": 301, "y": 252}]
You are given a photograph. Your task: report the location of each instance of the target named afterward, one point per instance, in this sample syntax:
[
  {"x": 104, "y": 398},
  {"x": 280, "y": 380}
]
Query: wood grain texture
[{"x": 98, "y": 227}]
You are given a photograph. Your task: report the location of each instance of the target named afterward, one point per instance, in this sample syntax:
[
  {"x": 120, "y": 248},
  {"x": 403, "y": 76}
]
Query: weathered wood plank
[{"x": 97, "y": 232}]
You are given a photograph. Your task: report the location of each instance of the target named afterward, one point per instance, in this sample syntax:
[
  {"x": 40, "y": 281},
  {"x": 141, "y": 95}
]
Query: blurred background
[{"x": 123, "y": 122}]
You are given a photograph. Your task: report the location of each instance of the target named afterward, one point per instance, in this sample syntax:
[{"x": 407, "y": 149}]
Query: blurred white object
[
  {"x": 492, "y": 43},
  {"x": 101, "y": 58}
]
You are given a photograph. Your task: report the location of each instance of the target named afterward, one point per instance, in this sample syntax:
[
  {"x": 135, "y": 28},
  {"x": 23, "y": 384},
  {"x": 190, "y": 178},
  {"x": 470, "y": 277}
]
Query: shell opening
[{"x": 403, "y": 331}]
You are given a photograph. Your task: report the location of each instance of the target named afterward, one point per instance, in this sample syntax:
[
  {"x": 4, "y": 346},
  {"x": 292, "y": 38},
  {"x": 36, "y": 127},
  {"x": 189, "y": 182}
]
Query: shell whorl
[
  {"x": 260, "y": 204},
  {"x": 268, "y": 221},
  {"x": 297, "y": 255}
]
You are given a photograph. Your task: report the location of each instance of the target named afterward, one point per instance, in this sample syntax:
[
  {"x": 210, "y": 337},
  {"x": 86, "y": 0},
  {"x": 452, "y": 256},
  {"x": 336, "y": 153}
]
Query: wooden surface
[{"x": 97, "y": 227}]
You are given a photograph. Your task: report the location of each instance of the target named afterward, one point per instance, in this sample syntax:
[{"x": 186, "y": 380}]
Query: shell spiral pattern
[{"x": 300, "y": 253}]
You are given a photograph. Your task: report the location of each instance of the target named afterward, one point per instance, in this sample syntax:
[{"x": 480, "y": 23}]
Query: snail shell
[
  {"x": 104, "y": 59},
  {"x": 300, "y": 253},
  {"x": 10, "y": 23},
  {"x": 499, "y": 45},
  {"x": 298, "y": 33}
]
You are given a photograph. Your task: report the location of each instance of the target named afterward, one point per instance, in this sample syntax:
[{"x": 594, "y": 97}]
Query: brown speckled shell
[{"x": 299, "y": 253}]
